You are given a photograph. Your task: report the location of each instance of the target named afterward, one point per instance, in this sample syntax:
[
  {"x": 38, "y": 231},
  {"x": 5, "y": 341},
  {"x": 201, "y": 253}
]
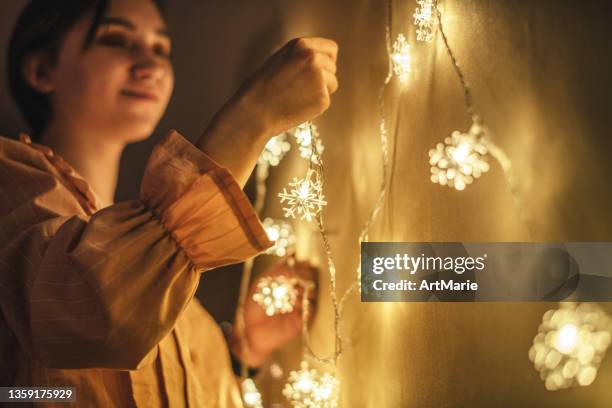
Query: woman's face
[{"x": 120, "y": 86}]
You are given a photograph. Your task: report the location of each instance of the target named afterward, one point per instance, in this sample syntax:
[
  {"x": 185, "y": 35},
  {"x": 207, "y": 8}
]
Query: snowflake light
[
  {"x": 304, "y": 135},
  {"x": 401, "y": 58},
  {"x": 282, "y": 234},
  {"x": 250, "y": 394},
  {"x": 460, "y": 159},
  {"x": 275, "y": 150},
  {"x": 425, "y": 20},
  {"x": 304, "y": 198},
  {"x": 307, "y": 388},
  {"x": 570, "y": 345},
  {"x": 276, "y": 295}
]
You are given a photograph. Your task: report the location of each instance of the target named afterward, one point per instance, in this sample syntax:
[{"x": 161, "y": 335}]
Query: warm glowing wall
[
  {"x": 540, "y": 76},
  {"x": 540, "y": 72}
]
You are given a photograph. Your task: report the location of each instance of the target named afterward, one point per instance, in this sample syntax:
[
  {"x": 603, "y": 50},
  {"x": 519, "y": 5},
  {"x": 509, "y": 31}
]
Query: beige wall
[
  {"x": 540, "y": 78},
  {"x": 540, "y": 72}
]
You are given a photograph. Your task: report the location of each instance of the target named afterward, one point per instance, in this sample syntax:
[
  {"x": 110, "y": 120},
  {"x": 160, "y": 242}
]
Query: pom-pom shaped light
[
  {"x": 460, "y": 159},
  {"x": 425, "y": 20},
  {"x": 282, "y": 234},
  {"x": 275, "y": 150},
  {"x": 307, "y": 388},
  {"x": 570, "y": 345},
  {"x": 276, "y": 295},
  {"x": 304, "y": 135},
  {"x": 401, "y": 58}
]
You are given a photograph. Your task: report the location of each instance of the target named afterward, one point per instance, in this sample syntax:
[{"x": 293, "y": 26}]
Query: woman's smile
[{"x": 140, "y": 95}]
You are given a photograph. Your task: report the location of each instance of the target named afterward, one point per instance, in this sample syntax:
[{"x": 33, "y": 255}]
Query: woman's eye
[
  {"x": 115, "y": 40},
  {"x": 162, "y": 50}
]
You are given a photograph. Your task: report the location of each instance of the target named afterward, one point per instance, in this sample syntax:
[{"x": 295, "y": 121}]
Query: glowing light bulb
[
  {"x": 275, "y": 150},
  {"x": 276, "y": 295},
  {"x": 304, "y": 189},
  {"x": 304, "y": 135},
  {"x": 461, "y": 153},
  {"x": 425, "y": 20},
  {"x": 250, "y": 394},
  {"x": 272, "y": 234},
  {"x": 401, "y": 58},
  {"x": 460, "y": 159},
  {"x": 567, "y": 338},
  {"x": 304, "y": 383},
  {"x": 282, "y": 234},
  {"x": 307, "y": 388},
  {"x": 304, "y": 198},
  {"x": 571, "y": 344}
]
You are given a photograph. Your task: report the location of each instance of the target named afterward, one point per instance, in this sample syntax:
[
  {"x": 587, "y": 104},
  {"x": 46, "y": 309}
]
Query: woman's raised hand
[
  {"x": 295, "y": 83},
  {"x": 293, "y": 86}
]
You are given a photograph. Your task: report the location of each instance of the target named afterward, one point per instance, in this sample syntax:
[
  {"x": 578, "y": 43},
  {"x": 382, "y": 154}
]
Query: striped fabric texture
[{"x": 102, "y": 299}]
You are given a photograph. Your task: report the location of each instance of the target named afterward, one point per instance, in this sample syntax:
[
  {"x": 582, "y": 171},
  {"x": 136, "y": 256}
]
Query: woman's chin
[
  {"x": 135, "y": 129},
  {"x": 137, "y": 118}
]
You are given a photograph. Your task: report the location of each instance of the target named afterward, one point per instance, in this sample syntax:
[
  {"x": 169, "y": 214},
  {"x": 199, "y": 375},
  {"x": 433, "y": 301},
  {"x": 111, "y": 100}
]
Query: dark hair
[{"x": 42, "y": 27}]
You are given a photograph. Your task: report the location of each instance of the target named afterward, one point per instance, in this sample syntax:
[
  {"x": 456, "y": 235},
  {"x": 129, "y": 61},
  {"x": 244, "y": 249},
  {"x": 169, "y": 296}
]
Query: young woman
[{"x": 99, "y": 295}]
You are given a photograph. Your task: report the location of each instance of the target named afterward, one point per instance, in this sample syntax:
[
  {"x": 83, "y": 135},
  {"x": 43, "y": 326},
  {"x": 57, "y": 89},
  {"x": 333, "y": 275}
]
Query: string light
[
  {"x": 401, "y": 58},
  {"x": 282, "y": 234},
  {"x": 304, "y": 198},
  {"x": 250, "y": 394},
  {"x": 304, "y": 379},
  {"x": 460, "y": 159},
  {"x": 570, "y": 345},
  {"x": 307, "y": 388},
  {"x": 305, "y": 134},
  {"x": 276, "y": 295},
  {"x": 275, "y": 150},
  {"x": 425, "y": 20}
]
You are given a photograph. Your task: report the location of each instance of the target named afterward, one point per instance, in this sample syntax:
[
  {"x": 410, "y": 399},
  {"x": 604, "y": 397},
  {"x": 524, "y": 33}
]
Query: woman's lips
[{"x": 141, "y": 95}]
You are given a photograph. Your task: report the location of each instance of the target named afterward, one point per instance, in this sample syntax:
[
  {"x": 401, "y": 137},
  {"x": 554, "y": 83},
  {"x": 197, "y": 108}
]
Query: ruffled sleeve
[
  {"x": 205, "y": 210},
  {"x": 101, "y": 288}
]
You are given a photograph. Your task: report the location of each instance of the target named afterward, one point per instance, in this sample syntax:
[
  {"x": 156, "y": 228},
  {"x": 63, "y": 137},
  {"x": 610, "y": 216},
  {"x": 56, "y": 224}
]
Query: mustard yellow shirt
[{"x": 103, "y": 299}]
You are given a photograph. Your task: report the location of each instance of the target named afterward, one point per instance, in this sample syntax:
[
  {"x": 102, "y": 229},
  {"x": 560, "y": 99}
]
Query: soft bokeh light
[
  {"x": 425, "y": 19},
  {"x": 275, "y": 150},
  {"x": 250, "y": 394},
  {"x": 460, "y": 159},
  {"x": 570, "y": 345},
  {"x": 304, "y": 136},
  {"x": 282, "y": 234},
  {"x": 276, "y": 295},
  {"x": 401, "y": 58},
  {"x": 308, "y": 388}
]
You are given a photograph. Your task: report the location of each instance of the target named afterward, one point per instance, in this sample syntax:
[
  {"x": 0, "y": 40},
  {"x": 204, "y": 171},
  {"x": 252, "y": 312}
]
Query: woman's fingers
[
  {"x": 323, "y": 45},
  {"x": 331, "y": 82}
]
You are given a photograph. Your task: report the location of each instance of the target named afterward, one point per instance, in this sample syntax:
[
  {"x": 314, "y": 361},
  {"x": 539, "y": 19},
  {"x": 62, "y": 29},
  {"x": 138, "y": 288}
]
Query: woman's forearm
[{"x": 235, "y": 138}]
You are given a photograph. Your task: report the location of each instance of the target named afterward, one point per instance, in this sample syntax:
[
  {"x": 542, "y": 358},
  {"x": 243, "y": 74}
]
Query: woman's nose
[{"x": 148, "y": 68}]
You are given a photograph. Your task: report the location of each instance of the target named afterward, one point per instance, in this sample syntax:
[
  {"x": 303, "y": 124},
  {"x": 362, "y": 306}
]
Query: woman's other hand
[{"x": 263, "y": 333}]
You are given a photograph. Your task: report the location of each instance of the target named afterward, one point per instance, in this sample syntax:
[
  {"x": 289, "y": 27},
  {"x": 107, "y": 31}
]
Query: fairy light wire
[
  {"x": 467, "y": 93},
  {"x": 317, "y": 165},
  {"x": 497, "y": 152},
  {"x": 384, "y": 143}
]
